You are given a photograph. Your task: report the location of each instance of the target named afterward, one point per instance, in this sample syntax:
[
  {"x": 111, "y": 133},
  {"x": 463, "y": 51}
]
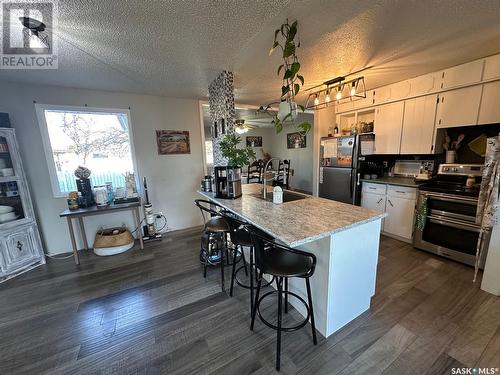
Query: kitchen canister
[
  {"x": 451, "y": 156},
  {"x": 277, "y": 195}
]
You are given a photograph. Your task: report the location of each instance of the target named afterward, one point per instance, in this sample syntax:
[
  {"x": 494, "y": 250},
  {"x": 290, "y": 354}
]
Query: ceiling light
[
  {"x": 327, "y": 97},
  {"x": 353, "y": 89},
  {"x": 240, "y": 130},
  {"x": 322, "y": 96}
]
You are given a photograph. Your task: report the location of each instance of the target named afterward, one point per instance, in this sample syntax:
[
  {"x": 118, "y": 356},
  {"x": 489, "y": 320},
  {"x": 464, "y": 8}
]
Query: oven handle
[
  {"x": 454, "y": 223},
  {"x": 439, "y": 197}
]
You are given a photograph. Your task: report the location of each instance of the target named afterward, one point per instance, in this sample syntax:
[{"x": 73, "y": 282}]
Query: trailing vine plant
[{"x": 292, "y": 81}]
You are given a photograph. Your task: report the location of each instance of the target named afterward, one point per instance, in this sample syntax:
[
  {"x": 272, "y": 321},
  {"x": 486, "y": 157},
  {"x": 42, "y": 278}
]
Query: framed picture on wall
[
  {"x": 172, "y": 142},
  {"x": 295, "y": 140},
  {"x": 254, "y": 141}
]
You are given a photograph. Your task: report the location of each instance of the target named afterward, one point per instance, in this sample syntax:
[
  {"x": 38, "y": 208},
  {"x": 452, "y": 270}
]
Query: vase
[{"x": 287, "y": 107}]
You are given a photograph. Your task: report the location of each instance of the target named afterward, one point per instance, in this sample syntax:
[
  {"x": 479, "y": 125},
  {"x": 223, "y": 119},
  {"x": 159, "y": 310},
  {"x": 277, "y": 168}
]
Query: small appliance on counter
[
  {"x": 227, "y": 182},
  {"x": 87, "y": 197},
  {"x": 446, "y": 214},
  {"x": 206, "y": 184}
]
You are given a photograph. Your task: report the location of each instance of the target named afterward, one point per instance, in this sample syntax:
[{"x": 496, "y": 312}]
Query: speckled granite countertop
[
  {"x": 400, "y": 181},
  {"x": 297, "y": 222}
]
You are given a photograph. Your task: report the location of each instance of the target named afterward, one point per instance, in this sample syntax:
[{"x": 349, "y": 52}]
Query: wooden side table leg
[
  {"x": 137, "y": 220},
  {"x": 82, "y": 232},
  {"x": 73, "y": 241}
]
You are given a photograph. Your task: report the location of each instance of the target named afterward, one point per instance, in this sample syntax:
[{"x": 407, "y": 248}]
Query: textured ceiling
[{"x": 175, "y": 48}]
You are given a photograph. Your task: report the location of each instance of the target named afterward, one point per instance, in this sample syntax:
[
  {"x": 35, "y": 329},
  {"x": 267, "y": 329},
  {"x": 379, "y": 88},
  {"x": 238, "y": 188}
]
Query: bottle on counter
[{"x": 73, "y": 200}]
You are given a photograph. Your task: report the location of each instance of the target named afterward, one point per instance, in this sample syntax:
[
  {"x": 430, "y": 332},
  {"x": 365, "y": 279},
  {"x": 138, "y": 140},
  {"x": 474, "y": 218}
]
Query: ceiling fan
[{"x": 240, "y": 127}]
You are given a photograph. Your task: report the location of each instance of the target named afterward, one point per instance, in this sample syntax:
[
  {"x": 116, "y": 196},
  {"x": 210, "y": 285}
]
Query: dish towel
[
  {"x": 422, "y": 214},
  {"x": 489, "y": 196}
]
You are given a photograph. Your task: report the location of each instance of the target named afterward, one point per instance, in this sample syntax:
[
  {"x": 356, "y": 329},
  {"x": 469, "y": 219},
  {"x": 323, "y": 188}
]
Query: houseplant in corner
[
  {"x": 292, "y": 81},
  {"x": 236, "y": 157}
]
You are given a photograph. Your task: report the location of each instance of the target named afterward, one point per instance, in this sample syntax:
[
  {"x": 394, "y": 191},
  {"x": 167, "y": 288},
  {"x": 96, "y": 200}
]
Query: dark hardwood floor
[{"x": 152, "y": 312}]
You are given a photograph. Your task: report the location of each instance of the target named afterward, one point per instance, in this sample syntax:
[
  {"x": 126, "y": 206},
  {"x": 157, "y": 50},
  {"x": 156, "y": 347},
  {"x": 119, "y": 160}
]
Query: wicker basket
[{"x": 113, "y": 237}]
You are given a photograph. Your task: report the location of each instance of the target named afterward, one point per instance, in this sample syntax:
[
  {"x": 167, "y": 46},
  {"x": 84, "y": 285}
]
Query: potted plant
[
  {"x": 292, "y": 81},
  {"x": 236, "y": 157}
]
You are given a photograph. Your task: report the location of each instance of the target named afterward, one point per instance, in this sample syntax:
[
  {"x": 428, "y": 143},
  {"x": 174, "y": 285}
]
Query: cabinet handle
[
  {"x": 401, "y": 192},
  {"x": 380, "y": 200},
  {"x": 19, "y": 246},
  {"x": 388, "y": 200},
  {"x": 439, "y": 121}
]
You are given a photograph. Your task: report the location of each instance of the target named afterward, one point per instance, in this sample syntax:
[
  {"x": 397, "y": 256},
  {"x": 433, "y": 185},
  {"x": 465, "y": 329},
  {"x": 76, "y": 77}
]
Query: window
[
  {"x": 94, "y": 138},
  {"x": 209, "y": 152}
]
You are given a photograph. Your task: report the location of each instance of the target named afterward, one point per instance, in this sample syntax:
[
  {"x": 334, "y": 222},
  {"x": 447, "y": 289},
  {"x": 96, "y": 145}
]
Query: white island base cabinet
[{"x": 344, "y": 280}]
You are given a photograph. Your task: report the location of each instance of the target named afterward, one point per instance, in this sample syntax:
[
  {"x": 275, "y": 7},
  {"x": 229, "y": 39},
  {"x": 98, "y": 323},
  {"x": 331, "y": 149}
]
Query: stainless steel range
[{"x": 450, "y": 228}]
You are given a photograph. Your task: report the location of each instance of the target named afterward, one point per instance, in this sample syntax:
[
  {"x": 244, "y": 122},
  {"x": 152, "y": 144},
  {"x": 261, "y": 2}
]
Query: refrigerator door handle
[{"x": 352, "y": 183}]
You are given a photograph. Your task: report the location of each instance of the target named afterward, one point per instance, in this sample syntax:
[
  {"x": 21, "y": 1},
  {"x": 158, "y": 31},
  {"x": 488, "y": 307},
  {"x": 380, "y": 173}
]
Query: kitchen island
[{"x": 344, "y": 238}]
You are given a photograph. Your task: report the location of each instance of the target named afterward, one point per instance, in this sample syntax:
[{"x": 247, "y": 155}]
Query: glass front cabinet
[{"x": 20, "y": 245}]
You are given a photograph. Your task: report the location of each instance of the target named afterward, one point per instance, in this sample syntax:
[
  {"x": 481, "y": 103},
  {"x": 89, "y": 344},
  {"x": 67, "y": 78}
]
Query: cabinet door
[
  {"x": 489, "y": 112},
  {"x": 465, "y": 74},
  {"x": 21, "y": 250},
  {"x": 374, "y": 202},
  {"x": 418, "y": 125},
  {"x": 423, "y": 84},
  {"x": 400, "y": 217},
  {"x": 492, "y": 67},
  {"x": 458, "y": 107},
  {"x": 388, "y": 127}
]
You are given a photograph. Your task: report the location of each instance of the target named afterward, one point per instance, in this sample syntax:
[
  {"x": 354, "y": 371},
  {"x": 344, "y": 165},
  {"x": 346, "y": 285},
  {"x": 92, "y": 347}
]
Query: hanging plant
[
  {"x": 236, "y": 156},
  {"x": 292, "y": 81}
]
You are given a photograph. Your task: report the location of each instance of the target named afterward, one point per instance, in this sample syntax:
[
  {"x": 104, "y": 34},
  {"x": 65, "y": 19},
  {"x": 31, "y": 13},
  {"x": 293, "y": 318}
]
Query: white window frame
[{"x": 44, "y": 131}]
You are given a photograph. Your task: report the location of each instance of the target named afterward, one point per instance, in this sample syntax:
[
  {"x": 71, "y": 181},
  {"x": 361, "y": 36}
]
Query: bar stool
[
  {"x": 241, "y": 238},
  {"x": 282, "y": 262},
  {"x": 216, "y": 229}
]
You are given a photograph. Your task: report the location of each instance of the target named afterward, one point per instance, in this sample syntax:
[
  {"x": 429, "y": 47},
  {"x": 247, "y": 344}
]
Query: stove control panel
[{"x": 461, "y": 169}]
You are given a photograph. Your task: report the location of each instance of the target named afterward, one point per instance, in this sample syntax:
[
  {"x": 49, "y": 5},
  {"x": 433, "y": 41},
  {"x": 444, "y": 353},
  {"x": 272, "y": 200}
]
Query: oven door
[
  {"x": 452, "y": 207},
  {"x": 450, "y": 237}
]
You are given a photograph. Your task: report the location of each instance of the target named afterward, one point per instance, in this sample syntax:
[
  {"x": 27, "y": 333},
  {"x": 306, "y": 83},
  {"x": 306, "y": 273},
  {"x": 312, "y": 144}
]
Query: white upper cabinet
[
  {"x": 388, "y": 126},
  {"x": 400, "y": 90},
  {"x": 364, "y": 102},
  {"x": 458, "y": 107},
  {"x": 344, "y": 106},
  {"x": 461, "y": 75},
  {"x": 382, "y": 94},
  {"x": 418, "y": 125},
  {"x": 492, "y": 67},
  {"x": 423, "y": 85},
  {"x": 489, "y": 112}
]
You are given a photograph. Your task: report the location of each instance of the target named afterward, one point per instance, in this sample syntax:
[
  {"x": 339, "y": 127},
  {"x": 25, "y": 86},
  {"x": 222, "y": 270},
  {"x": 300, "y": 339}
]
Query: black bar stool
[
  {"x": 216, "y": 230},
  {"x": 282, "y": 262},
  {"x": 240, "y": 237}
]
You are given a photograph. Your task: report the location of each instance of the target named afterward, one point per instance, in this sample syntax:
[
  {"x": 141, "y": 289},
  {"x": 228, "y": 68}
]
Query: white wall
[
  {"x": 172, "y": 180},
  {"x": 301, "y": 159}
]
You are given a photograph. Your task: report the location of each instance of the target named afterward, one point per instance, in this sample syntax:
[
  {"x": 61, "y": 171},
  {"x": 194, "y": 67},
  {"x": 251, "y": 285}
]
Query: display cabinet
[{"x": 20, "y": 245}]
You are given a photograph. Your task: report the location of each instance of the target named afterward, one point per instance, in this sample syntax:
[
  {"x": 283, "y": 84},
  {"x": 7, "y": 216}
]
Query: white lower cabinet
[{"x": 399, "y": 204}]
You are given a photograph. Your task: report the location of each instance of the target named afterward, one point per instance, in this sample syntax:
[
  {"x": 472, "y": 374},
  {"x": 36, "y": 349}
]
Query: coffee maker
[
  {"x": 227, "y": 182},
  {"x": 87, "y": 197}
]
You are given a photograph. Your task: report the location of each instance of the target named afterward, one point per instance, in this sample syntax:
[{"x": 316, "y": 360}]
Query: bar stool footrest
[{"x": 285, "y": 329}]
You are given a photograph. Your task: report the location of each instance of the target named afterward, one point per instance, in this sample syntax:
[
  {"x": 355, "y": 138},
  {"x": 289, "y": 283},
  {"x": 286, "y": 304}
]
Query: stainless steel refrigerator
[{"x": 339, "y": 162}]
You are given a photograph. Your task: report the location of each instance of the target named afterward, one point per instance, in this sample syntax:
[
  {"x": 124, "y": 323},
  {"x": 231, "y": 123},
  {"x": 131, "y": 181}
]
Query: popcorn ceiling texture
[
  {"x": 176, "y": 48},
  {"x": 221, "y": 101}
]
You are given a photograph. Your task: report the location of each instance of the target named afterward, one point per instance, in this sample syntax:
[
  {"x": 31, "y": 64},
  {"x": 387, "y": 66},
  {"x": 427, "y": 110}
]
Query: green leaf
[
  {"x": 296, "y": 88},
  {"x": 288, "y": 74},
  {"x": 305, "y": 127},
  {"x": 295, "y": 68},
  {"x": 284, "y": 90},
  {"x": 273, "y": 48},
  {"x": 302, "y": 108},
  {"x": 278, "y": 125},
  {"x": 280, "y": 67},
  {"x": 276, "y": 34},
  {"x": 287, "y": 117},
  {"x": 301, "y": 79},
  {"x": 293, "y": 31},
  {"x": 289, "y": 50}
]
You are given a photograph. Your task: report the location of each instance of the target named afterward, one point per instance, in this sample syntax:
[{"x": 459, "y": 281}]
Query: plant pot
[{"x": 286, "y": 108}]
